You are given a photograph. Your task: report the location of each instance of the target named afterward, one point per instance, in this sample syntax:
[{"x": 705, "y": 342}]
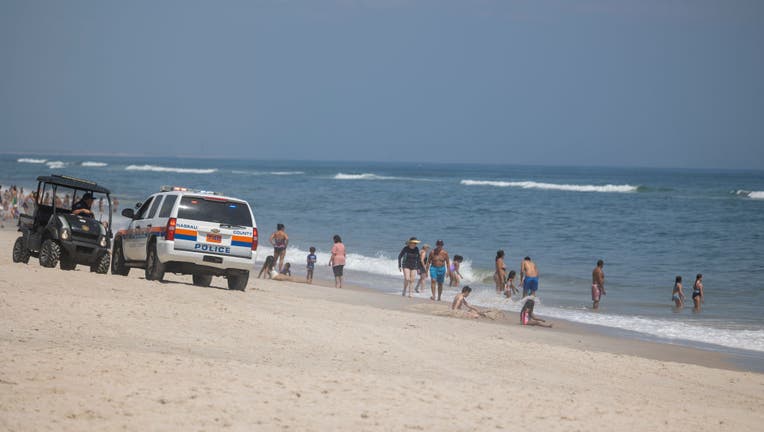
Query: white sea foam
[
  {"x": 371, "y": 176},
  {"x": 157, "y": 168},
  {"x": 56, "y": 164},
  {"x": 93, "y": 164},
  {"x": 286, "y": 173},
  {"x": 32, "y": 161},
  {"x": 553, "y": 186},
  {"x": 750, "y": 194}
]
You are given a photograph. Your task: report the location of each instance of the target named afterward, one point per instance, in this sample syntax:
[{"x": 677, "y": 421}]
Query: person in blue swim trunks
[
  {"x": 529, "y": 275},
  {"x": 439, "y": 265}
]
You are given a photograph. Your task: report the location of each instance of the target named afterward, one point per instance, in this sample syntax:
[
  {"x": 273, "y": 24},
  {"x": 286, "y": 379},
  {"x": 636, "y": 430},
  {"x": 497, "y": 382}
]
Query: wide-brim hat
[{"x": 412, "y": 240}]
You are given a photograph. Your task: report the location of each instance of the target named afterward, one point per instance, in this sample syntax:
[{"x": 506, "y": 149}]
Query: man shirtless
[
  {"x": 529, "y": 276},
  {"x": 438, "y": 266},
  {"x": 598, "y": 284}
]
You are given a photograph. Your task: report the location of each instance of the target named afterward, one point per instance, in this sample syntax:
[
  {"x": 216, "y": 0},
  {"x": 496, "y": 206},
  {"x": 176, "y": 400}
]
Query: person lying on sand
[
  {"x": 461, "y": 300},
  {"x": 285, "y": 274},
  {"x": 527, "y": 317}
]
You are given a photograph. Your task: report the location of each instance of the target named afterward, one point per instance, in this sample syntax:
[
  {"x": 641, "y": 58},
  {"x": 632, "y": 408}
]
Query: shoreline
[{"x": 82, "y": 351}]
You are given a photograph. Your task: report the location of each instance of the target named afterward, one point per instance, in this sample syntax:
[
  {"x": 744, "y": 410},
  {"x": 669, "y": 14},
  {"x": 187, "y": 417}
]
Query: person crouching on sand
[
  {"x": 461, "y": 300},
  {"x": 267, "y": 267},
  {"x": 527, "y": 317}
]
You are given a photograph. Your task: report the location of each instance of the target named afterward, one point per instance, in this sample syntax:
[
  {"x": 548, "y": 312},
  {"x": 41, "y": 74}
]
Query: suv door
[{"x": 135, "y": 238}]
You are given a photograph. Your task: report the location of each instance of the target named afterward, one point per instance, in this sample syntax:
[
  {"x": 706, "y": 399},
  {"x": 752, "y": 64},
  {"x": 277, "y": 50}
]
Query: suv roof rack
[{"x": 167, "y": 188}]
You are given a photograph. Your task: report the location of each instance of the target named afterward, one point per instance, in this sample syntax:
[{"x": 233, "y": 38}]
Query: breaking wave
[
  {"x": 286, "y": 173},
  {"x": 553, "y": 186},
  {"x": 157, "y": 168},
  {"x": 56, "y": 164},
  {"x": 750, "y": 194},
  {"x": 370, "y": 176},
  {"x": 32, "y": 161},
  {"x": 93, "y": 164}
]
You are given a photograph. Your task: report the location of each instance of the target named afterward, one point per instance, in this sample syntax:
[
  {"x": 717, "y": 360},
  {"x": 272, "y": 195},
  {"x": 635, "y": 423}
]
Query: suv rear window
[{"x": 213, "y": 210}]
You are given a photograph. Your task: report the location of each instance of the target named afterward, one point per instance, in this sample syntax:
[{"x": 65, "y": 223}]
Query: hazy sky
[{"x": 561, "y": 82}]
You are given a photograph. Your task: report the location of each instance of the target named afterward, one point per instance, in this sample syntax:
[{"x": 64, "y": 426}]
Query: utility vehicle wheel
[
  {"x": 66, "y": 263},
  {"x": 20, "y": 253},
  {"x": 50, "y": 253},
  {"x": 238, "y": 282},
  {"x": 202, "y": 280},
  {"x": 154, "y": 268},
  {"x": 118, "y": 266},
  {"x": 101, "y": 266}
]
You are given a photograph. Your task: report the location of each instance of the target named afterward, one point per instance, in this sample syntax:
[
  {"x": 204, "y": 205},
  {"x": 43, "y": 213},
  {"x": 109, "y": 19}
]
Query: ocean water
[{"x": 648, "y": 225}]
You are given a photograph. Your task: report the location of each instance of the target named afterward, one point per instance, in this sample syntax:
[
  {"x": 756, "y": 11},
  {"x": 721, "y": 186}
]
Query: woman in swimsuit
[
  {"x": 456, "y": 276},
  {"x": 500, "y": 277},
  {"x": 279, "y": 239},
  {"x": 423, "y": 257},
  {"x": 677, "y": 295},
  {"x": 697, "y": 292},
  {"x": 408, "y": 263}
]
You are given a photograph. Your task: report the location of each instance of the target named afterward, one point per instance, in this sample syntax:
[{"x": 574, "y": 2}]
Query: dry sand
[{"x": 80, "y": 351}]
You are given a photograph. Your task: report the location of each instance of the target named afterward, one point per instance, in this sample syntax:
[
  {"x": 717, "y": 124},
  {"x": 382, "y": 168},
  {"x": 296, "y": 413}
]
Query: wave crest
[
  {"x": 31, "y": 160},
  {"x": 553, "y": 186},
  {"x": 93, "y": 164},
  {"x": 750, "y": 194},
  {"x": 157, "y": 168},
  {"x": 364, "y": 176},
  {"x": 56, "y": 164}
]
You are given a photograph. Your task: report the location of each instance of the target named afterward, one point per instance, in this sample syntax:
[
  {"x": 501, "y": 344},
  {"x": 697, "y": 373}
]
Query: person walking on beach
[
  {"x": 529, "y": 277},
  {"x": 423, "y": 260},
  {"x": 311, "y": 265},
  {"x": 279, "y": 240},
  {"x": 337, "y": 261},
  {"x": 697, "y": 292},
  {"x": 500, "y": 275},
  {"x": 677, "y": 295},
  {"x": 598, "y": 284},
  {"x": 408, "y": 263},
  {"x": 438, "y": 265}
]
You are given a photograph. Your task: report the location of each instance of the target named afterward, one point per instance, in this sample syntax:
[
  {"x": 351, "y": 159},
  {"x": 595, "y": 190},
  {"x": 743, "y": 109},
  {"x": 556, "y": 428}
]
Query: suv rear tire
[
  {"x": 20, "y": 253},
  {"x": 118, "y": 266},
  {"x": 101, "y": 266},
  {"x": 202, "y": 280},
  {"x": 238, "y": 281},
  {"x": 50, "y": 253},
  {"x": 154, "y": 268}
]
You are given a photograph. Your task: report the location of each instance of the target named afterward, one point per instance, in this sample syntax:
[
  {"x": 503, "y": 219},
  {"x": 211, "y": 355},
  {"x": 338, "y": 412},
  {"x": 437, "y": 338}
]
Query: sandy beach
[{"x": 81, "y": 351}]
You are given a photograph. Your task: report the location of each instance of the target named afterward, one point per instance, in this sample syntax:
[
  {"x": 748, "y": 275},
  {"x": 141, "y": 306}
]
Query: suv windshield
[{"x": 224, "y": 212}]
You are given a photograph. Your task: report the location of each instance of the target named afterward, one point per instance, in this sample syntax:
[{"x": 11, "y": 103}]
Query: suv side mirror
[{"x": 128, "y": 213}]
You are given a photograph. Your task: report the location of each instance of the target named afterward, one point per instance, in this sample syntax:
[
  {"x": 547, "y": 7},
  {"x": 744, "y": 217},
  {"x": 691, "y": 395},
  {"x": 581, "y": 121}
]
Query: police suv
[{"x": 179, "y": 230}]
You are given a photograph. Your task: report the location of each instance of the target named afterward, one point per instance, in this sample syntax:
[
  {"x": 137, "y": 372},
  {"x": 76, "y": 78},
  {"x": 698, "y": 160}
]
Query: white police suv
[{"x": 179, "y": 230}]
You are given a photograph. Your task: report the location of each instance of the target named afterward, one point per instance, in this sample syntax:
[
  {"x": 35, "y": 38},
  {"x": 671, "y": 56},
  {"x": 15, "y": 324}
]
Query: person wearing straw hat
[{"x": 408, "y": 263}]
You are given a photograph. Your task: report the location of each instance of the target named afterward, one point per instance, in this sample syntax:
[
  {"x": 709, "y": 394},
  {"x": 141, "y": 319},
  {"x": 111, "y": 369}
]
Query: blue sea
[{"x": 648, "y": 225}]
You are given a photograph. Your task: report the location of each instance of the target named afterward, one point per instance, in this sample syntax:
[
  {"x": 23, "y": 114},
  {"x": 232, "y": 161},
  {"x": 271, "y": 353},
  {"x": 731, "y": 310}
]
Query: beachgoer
[
  {"x": 598, "y": 284},
  {"x": 82, "y": 207},
  {"x": 438, "y": 265},
  {"x": 337, "y": 261},
  {"x": 279, "y": 240},
  {"x": 100, "y": 205},
  {"x": 697, "y": 292},
  {"x": 461, "y": 300},
  {"x": 423, "y": 260},
  {"x": 499, "y": 275},
  {"x": 408, "y": 263},
  {"x": 311, "y": 264},
  {"x": 510, "y": 288},
  {"x": 284, "y": 275},
  {"x": 267, "y": 267},
  {"x": 286, "y": 270},
  {"x": 527, "y": 317},
  {"x": 114, "y": 204},
  {"x": 455, "y": 276},
  {"x": 677, "y": 295},
  {"x": 529, "y": 277}
]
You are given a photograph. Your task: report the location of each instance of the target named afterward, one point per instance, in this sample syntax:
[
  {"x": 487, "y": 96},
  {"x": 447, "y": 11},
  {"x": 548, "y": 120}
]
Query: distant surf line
[
  {"x": 609, "y": 188},
  {"x": 158, "y": 168}
]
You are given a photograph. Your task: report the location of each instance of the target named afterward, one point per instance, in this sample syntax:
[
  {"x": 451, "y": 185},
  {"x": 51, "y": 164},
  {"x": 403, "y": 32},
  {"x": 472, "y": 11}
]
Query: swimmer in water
[
  {"x": 677, "y": 295},
  {"x": 527, "y": 317}
]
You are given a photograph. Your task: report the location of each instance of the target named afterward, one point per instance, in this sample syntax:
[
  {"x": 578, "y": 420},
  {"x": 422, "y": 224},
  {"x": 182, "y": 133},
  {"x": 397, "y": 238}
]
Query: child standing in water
[
  {"x": 455, "y": 277},
  {"x": 510, "y": 288},
  {"x": 677, "y": 295},
  {"x": 311, "y": 264}
]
